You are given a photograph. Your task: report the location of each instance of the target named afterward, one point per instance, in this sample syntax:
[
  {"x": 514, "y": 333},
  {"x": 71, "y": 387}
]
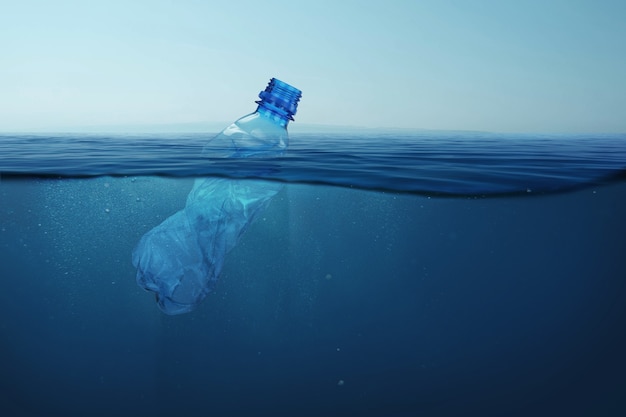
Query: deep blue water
[{"x": 374, "y": 296}]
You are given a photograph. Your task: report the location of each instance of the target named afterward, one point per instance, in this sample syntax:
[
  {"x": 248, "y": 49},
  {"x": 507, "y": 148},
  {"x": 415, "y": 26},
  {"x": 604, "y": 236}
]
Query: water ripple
[{"x": 437, "y": 163}]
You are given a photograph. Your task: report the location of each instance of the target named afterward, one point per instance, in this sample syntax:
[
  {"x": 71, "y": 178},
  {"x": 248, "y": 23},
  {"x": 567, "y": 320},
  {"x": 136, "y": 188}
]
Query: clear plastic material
[{"x": 180, "y": 259}]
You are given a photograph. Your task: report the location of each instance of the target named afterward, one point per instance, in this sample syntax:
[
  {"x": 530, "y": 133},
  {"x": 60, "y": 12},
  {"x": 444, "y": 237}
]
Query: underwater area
[{"x": 440, "y": 275}]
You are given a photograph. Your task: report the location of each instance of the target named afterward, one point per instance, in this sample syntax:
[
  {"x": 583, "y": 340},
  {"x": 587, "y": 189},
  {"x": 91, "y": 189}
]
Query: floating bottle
[{"x": 180, "y": 260}]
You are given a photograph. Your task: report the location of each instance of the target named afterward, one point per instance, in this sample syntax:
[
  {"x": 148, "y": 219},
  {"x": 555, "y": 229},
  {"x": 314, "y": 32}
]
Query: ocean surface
[{"x": 394, "y": 274}]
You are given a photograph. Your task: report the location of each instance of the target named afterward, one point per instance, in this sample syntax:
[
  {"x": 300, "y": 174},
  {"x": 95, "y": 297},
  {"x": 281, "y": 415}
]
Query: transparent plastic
[{"x": 180, "y": 260}]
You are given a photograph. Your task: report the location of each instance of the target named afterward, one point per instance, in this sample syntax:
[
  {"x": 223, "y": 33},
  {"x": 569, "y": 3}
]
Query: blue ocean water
[
  {"x": 430, "y": 274},
  {"x": 429, "y": 162}
]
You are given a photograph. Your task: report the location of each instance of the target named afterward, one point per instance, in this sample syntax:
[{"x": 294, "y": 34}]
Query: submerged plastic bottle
[{"x": 181, "y": 259}]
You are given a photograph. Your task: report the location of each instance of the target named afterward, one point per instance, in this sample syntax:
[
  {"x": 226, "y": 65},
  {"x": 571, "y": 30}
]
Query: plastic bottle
[{"x": 181, "y": 259}]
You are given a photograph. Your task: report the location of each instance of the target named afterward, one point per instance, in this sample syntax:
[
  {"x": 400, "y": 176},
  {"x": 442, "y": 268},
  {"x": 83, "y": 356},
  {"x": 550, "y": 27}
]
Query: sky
[{"x": 501, "y": 66}]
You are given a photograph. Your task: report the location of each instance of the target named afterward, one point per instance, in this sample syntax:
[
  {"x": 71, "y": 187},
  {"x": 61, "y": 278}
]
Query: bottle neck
[
  {"x": 279, "y": 102},
  {"x": 274, "y": 117}
]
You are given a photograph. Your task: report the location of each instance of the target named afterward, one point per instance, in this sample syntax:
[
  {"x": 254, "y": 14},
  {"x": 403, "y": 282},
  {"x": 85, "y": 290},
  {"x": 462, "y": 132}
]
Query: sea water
[{"x": 396, "y": 274}]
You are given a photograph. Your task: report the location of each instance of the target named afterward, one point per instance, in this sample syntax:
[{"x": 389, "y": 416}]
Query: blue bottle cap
[{"x": 280, "y": 98}]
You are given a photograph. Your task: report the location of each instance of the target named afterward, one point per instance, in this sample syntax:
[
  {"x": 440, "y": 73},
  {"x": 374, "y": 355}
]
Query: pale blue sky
[{"x": 524, "y": 65}]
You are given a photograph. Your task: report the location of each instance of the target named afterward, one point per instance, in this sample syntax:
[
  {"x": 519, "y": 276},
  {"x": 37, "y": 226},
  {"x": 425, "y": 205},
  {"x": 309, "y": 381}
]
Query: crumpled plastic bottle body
[{"x": 181, "y": 259}]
